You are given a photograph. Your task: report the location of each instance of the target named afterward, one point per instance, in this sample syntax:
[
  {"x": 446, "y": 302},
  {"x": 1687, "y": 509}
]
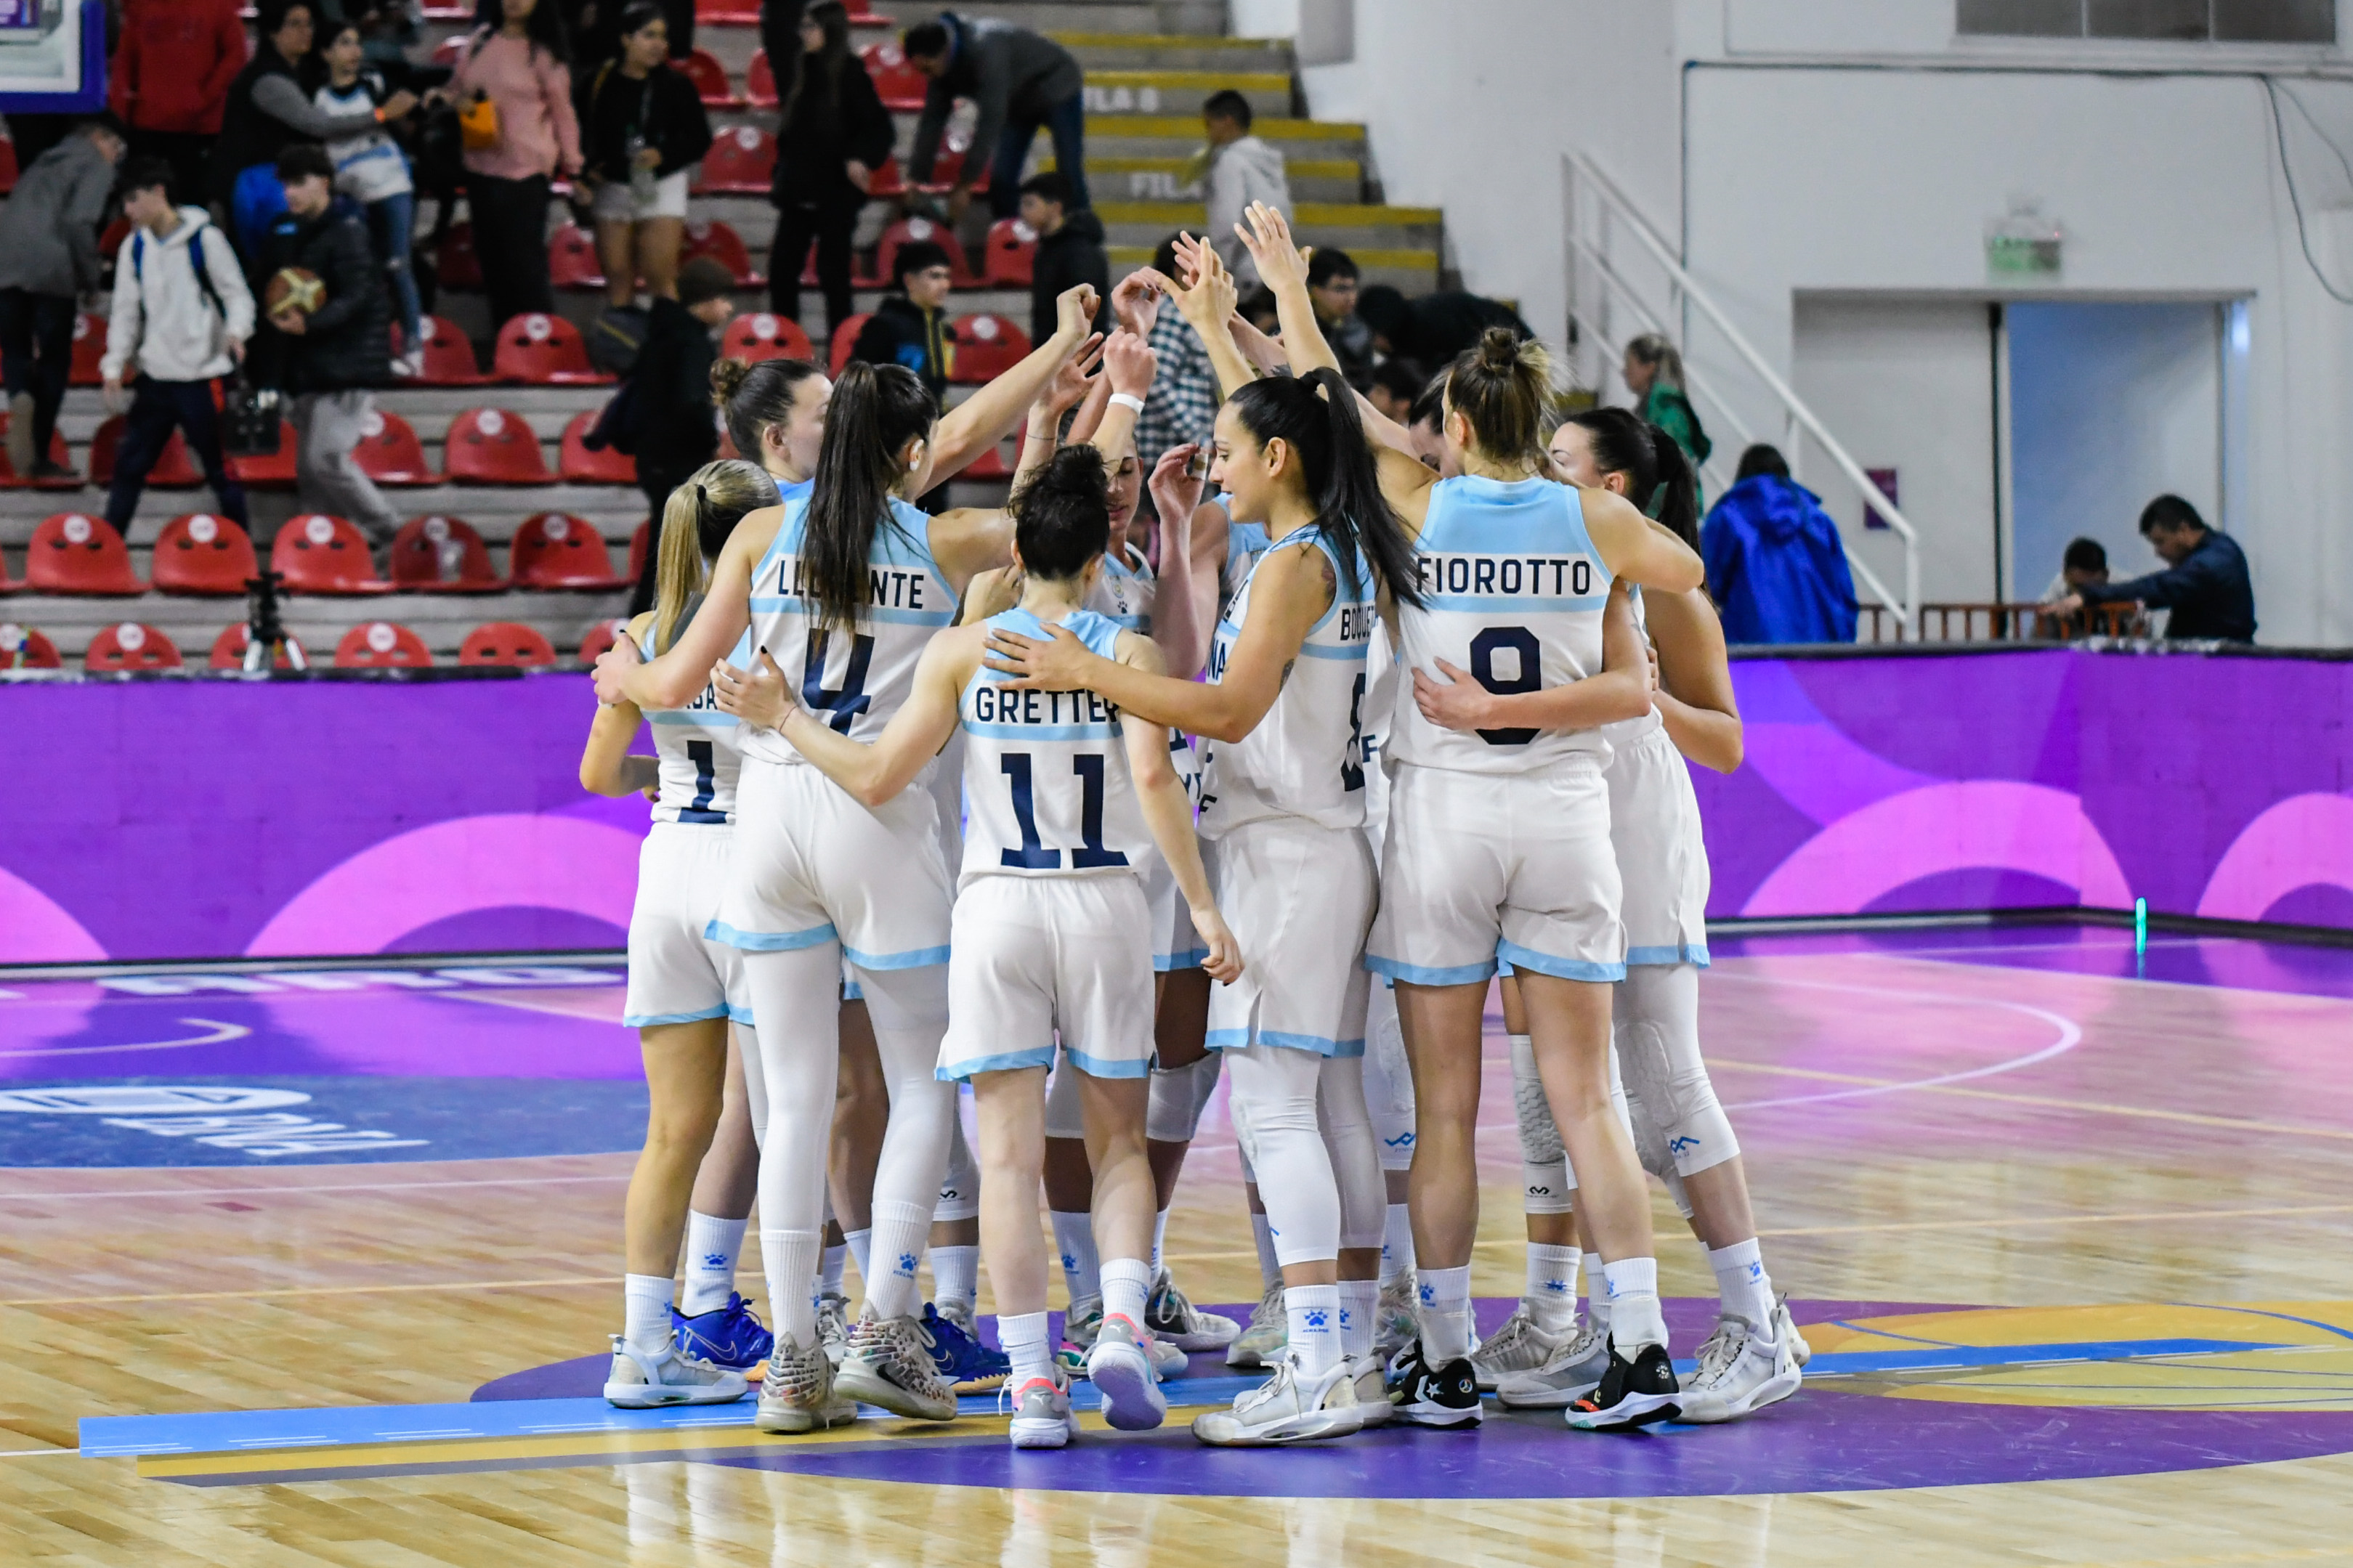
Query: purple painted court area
[{"x": 224, "y": 820}]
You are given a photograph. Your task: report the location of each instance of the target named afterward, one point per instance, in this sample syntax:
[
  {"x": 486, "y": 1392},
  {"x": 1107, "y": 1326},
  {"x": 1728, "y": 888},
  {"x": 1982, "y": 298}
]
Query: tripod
[{"x": 266, "y": 641}]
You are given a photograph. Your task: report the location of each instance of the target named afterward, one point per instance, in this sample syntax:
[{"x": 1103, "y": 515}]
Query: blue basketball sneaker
[
  {"x": 962, "y": 1361},
  {"x": 730, "y": 1336}
]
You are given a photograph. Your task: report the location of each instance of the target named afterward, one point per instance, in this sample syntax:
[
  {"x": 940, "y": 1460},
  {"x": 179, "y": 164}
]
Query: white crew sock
[
  {"x": 1597, "y": 1292},
  {"x": 1315, "y": 1311},
  {"x": 1022, "y": 1337},
  {"x": 1127, "y": 1282},
  {"x": 830, "y": 1274},
  {"x": 788, "y": 1257},
  {"x": 900, "y": 1230},
  {"x": 1270, "y": 1269},
  {"x": 1397, "y": 1243},
  {"x": 1741, "y": 1280},
  {"x": 1552, "y": 1287},
  {"x": 1358, "y": 1300},
  {"x": 645, "y": 1301},
  {"x": 712, "y": 1244},
  {"x": 1634, "y": 1316},
  {"x": 862, "y": 1252},
  {"x": 1159, "y": 1234},
  {"x": 1445, "y": 1315},
  {"x": 1075, "y": 1238},
  {"x": 955, "y": 1277}
]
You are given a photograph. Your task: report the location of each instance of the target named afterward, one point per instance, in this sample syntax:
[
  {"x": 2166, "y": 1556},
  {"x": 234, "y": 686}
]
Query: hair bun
[
  {"x": 727, "y": 378},
  {"x": 1499, "y": 348}
]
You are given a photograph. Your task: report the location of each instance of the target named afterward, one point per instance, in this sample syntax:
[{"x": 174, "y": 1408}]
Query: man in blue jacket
[
  {"x": 2204, "y": 583},
  {"x": 1776, "y": 567}
]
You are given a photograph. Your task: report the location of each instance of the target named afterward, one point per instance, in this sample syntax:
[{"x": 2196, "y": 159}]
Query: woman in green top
[{"x": 1654, "y": 374}]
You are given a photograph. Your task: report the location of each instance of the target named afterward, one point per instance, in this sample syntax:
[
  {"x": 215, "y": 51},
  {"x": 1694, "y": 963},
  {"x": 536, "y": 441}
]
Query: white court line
[
  {"x": 334, "y": 1187},
  {"x": 220, "y": 1032}
]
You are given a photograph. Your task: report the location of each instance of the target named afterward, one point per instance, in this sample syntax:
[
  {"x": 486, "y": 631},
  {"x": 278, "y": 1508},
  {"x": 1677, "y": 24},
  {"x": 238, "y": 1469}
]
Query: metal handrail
[{"x": 1905, "y": 609}]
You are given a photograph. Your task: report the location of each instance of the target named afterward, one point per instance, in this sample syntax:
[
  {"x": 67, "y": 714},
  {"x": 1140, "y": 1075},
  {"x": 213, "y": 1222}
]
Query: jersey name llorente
[
  {"x": 1512, "y": 591},
  {"x": 1306, "y": 758},
  {"x": 1045, "y": 784},
  {"x": 856, "y": 679},
  {"x": 695, "y": 747}
]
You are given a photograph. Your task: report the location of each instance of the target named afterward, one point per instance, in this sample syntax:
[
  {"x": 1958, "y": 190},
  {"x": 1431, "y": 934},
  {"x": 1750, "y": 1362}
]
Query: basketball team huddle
[{"x": 988, "y": 799}]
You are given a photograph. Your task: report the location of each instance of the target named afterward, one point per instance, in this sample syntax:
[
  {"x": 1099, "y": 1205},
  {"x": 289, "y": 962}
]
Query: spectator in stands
[
  {"x": 1331, "y": 289},
  {"x": 1434, "y": 328},
  {"x": 170, "y": 76},
  {"x": 832, "y": 134},
  {"x": 1019, "y": 80},
  {"x": 1776, "y": 567},
  {"x": 641, "y": 129},
  {"x": 2085, "y": 565},
  {"x": 179, "y": 323},
  {"x": 388, "y": 30},
  {"x": 328, "y": 359},
  {"x": 269, "y": 107},
  {"x": 371, "y": 169},
  {"x": 48, "y": 258},
  {"x": 2204, "y": 583},
  {"x": 1235, "y": 170},
  {"x": 596, "y": 28},
  {"x": 1183, "y": 404},
  {"x": 781, "y": 37},
  {"x": 676, "y": 430},
  {"x": 1396, "y": 384},
  {"x": 517, "y": 61},
  {"x": 910, "y": 327},
  {"x": 1654, "y": 374},
  {"x": 1070, "y": 250}
]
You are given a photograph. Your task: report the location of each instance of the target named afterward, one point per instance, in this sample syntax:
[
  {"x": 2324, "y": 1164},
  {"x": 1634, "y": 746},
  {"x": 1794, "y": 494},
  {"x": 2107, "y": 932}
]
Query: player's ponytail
[
  {"x": 1659, "y": 477},
  {"x": 1502, "y": 387},
  {"x": 876, "y": 411},
  {"x": 696, "y": 520},
  {"x": 1315, "y": 415}
]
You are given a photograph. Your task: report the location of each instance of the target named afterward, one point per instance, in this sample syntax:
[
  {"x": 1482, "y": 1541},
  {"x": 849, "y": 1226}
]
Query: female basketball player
[
  {"x": 1281, "y": 801},
  {"x": 1050, "y": 922},
  {"x": 1498, "y": 840},
  {"x": 843, "y": 587},
  {"x": 683, "y": 988}
]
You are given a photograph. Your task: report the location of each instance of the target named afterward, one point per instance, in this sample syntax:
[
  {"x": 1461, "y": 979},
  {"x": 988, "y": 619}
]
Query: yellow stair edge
[
  {"x": 1261, "y": 81},
  {"x": 1306, "y": 214},
  {"x": 1395, "y": 260},
  {"x": 1163, "y": 41},
  {"x": 1273, "y": 128},
  {"x": 1306, "y": 168}
]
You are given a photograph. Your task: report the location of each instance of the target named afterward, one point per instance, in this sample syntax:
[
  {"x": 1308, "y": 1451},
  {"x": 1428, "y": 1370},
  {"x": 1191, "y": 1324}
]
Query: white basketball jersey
[
  {"x": 1380, "y": 712},
  {"x": 1306, "y": 757},
  {"x": 1125, "y": 591},
  {"x": 1626, "y": 732},
  {"x": 854, "y": 680},
  {"x": 1045, "y": 784},
  {"x": 695, "y": 746},
  {"x": 1512, "y": 590},
  {"x": 1245, "y": 543}
]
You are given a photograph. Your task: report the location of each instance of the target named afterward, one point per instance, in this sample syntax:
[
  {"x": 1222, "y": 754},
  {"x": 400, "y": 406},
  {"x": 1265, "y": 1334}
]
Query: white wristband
[{"x": 1128, "y": 400}]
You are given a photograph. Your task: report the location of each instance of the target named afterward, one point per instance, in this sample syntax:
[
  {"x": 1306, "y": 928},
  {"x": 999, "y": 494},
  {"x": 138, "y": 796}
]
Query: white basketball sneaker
[
  {"x": 797, "y": 1393},
  {"x": 1739, "y": 1374},
  {"x": 1041, "y": 1413},
  {"x": 1261, "y": 1342},
  {"x": 1121, "y": 1366},
  {"x": 890, "y": 1363},
  {"x": 667, "y": 1376},
  {"x": 1289, "y": 1408},
  {"x": 1572, "y": 1371},
  {"x": 1518, "y": 1346}
]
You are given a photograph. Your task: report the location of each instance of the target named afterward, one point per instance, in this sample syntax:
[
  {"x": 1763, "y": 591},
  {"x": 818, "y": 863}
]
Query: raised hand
[
  {"x": 1212, "y": 297},
  {"x": 1267, "y": 235},
  {"x": 1176, "y": 488},
  {"x": 1135, "y": 301},
  {"x": 1129, "y": 360},
  {"x": 1188, "y": 252},
  {"x": 1075, "y": 379},
  {"x": 1075, "y": 311}
]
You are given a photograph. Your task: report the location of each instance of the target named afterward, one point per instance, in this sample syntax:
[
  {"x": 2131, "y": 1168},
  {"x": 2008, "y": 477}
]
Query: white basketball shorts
[
  {"x": 1035, "y": 956},
  {"x": 1662, "y": 860},
  {"x": 1298, "y": 899},
  {"x": 677, "y": 974}
]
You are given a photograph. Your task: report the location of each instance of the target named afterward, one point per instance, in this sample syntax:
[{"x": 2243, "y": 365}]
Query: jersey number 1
[{"x": 1033, "y": 854}]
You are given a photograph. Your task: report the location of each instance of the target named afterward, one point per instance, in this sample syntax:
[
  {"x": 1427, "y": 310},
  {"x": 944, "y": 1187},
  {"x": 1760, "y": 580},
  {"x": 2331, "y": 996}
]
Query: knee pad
[
  {"x": 1547, "y": 1188},
  {"x": 1389, "y": 1082},
  {"x": 1178, "y": 1097},
  {"x": 1287, "y": 1150},
  {"x": 1245, "y": 1148},
  {"x": 960, "y": 1187},
  {"x": 1539, "y": 1136},
  {"x": 1658, "y": 1038},
  {"x": 1064, "y": 1117}
]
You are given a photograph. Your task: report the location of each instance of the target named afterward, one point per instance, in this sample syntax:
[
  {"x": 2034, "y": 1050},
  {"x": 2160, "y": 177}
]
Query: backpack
[{"x": 197, "y": 259}]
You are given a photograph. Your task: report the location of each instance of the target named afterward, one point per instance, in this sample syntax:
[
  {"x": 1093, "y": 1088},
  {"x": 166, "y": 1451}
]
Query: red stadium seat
[
  {"x": 450, "y": 50},
  {"x": 889, "y": 180},
  {"x": 7, "y": 165},
  {"x": 317, "y": 553},
  {"x": 545, "y": 350},
  {"x": 455, "y": 265},
  {"x": 918, "y": 230},
  {"x": 900, "y": 86},
  {"x": 554, "y": 551},
  {"x": 229, "y": 650},
  {"x": 174, "y": 470},
  {"x": 761, "y": 336},
  {"x": 88, "y": 348},
  {"x": 493, "y": 446},
  {"x": 7, "y": 583},
  {"x": 21, "y": 647},
  {"x": 709, "y": 78},
  {"x": 129, "y": 646},
  {"x": 390, "y": 454},
  {"x": 989, "y": 465},
  {"x": 572, "y": 259},
  {"x": 947, "y": 167},
  {"x": 274, "y": 472},
  {"x": 986, "y": 346},
  {"x": 382, "y": 645},
  {"x": 640, "y": 542},
  {"x": 760, "y": 82},
  {"x": 1010, "y": 257},
  {"x": 506, "y": 642},
  {"x": 74, "y": 553},
  {"x": 58, "y": 455},
  {"x": 720, "y": 242},
  {"x": 204, "y": 555},
  {"x": 742, "y": 160},
  {"x": 601, "y": 636},
  {"x": 440, "y": 555},
  {"x": 741, "y": 12},
  {"x": 580, "y": 466},
  {"x": 448, "y": 357},
  {"x": 845, "y": 339}
]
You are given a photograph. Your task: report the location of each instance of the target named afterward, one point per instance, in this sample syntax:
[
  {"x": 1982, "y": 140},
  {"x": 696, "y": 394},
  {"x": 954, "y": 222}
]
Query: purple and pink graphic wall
[{"x": 204, "y": 819}]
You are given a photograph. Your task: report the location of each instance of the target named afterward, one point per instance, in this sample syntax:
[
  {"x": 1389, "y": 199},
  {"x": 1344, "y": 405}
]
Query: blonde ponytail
[{"x": 696, "y": 521}]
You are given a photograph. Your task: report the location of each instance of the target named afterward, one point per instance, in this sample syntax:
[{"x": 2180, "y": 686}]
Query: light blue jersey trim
[
  {"x": 1240, "y": 1040},
  {"x": 740, "y": 1015},
  {"x": 1006, "y": 1061},
  {"x": 702, "y": 720},
  {"x": 651, "y": 1020},
  {"x": 769, "y": 941},
  {"x": 851, "y": 990},
  {"x": 1483, "y": 604},
  {"x": 1691, "y": 953},
  {"x": 1168, "y": 963},
  {"x": 1469, "y": 515},
  {"x": 913, "y": 958},
  {"x": 1044, "y": 731},
  {"x": 786, "y": 606},
  {"x": 1415, "y": 975},
  {"x": 1096, "y": 1067},
  {"x": 1558, "y": 968},
  {"x": 1353, "y": 650}
]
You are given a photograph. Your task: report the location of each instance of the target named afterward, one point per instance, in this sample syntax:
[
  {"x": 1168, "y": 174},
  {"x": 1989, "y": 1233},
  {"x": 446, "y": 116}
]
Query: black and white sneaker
[
  {"x": 1633, "y": 1393},
  {"x": 1424, "y": 1395}
]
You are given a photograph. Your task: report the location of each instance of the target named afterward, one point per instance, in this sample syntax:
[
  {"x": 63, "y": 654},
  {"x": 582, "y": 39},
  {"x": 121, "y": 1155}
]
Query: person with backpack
[
  {"x": 181, "y": 317},
  {"x": 48, "y": 257}
]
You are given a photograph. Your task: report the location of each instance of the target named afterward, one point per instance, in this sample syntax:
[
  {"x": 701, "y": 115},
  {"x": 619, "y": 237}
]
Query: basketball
[{"x": 294, "y": 288}]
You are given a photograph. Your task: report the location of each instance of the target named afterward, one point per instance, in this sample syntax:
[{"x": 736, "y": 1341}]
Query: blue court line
[{"x": 246, "y": 1431}]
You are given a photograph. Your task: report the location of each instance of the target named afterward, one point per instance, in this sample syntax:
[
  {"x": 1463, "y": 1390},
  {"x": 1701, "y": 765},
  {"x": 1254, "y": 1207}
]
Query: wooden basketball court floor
[{"x": 2067, "y": 1225}]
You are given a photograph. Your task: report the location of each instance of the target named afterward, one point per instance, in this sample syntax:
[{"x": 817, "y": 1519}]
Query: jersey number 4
[
  {"x": 851, "y": 699},
  {"x": 1033, "y": 854}
]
